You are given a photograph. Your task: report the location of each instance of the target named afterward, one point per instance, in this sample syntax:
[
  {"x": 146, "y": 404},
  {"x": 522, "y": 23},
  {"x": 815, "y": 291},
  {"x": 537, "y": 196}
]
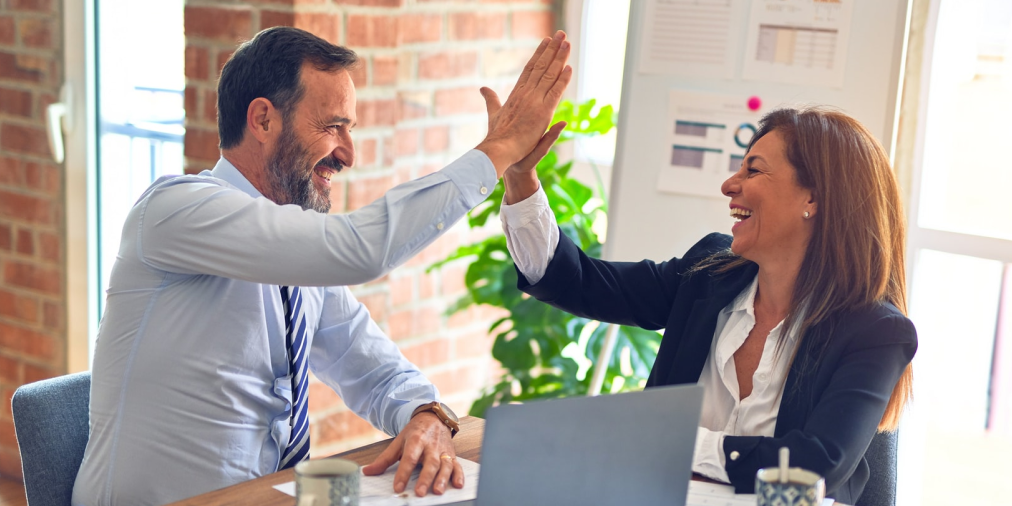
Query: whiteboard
[{"x": 645, "y": 222}]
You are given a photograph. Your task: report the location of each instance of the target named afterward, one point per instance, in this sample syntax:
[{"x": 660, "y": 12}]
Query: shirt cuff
[
  {"x": 474, "y": 175},
  {"x": 403, "y": 415},
  {"x": 708, "y": 458},
  {"x": 532, "y": 234},
  {"x": 519, "y": 215}
]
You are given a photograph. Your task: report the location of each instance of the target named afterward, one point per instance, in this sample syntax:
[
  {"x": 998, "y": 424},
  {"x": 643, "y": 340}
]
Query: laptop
[{"x": 629, "y": 448}]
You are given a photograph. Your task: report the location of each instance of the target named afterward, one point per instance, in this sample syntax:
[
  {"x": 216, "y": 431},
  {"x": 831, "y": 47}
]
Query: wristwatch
[{"x": 443, "y": 412}]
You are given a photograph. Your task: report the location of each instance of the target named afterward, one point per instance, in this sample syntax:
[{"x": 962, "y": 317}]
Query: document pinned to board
[
  {"x": 378, "y": 490},
  {"x": 715, "y": 494}
]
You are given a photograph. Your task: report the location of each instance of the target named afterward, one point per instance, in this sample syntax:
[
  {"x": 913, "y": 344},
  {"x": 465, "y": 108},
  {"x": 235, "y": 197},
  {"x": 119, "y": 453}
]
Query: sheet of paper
[
  {"x": 798, "y": 41},
  {"x": 691, "y": 38},
  {"x": 714, "y": 494},
  {"x": 707, "y": 136},
  {"x": 378, "y": 490}
]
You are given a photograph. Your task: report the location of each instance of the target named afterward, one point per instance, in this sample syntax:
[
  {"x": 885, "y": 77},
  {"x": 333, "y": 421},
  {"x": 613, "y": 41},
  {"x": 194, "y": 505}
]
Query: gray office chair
[
  {"x": 881, "y": 487},
  {"x": 51, "y": 421}
]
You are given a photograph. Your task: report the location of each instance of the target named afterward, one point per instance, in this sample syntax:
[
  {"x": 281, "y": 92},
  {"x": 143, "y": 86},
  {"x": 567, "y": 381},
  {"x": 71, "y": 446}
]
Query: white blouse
[{"x": 532, "y": 236}]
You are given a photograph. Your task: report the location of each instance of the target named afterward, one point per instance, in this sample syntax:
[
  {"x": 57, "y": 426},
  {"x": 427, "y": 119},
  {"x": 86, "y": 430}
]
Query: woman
[{"x": 794, "y": 326}]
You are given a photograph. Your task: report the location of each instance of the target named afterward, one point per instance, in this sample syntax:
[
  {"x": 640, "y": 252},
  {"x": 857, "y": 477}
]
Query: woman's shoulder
[{"x": 881, "y": 320}]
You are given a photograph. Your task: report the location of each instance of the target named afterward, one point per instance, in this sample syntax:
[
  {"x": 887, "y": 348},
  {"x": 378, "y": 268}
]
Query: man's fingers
[
  {"x": 554, "y": 95},
  {"x": 458, "y": 475},
  {"x": 446, "y": 462},
  {"x": 529, "y": 67},
  {"x": 409, "y": 459},
  {"x": 555, "y": 68},
  {"x": 547, "y": 57},
  {"x": 430, "y": 467},
  {"x": 384, "y": 460},
  {"x": 541, "y": 149},
  {"x": 492, "y": 104}
]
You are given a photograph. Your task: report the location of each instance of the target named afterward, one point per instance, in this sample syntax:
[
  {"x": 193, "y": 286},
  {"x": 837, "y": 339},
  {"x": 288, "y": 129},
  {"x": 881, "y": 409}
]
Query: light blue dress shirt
[{"x": 190, "y": 384}]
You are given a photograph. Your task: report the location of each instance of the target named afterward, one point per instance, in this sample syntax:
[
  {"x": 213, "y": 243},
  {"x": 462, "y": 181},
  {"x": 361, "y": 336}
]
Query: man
[{"x": 225, "y": 280}]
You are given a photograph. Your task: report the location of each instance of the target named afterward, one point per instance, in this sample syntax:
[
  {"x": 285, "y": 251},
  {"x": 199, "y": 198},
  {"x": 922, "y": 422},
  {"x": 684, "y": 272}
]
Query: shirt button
[
  {"x": 439, "y": 226},
  {"x": 483, "y": 190},
  {"x": 734, "y": 455},
  {"x": 762, "y": 377}
]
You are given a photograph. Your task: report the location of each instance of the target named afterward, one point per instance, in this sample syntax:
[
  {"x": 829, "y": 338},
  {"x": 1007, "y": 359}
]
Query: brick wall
[
  {"x": 32, "y": 298},
  {"x": 418, "y": 109}
]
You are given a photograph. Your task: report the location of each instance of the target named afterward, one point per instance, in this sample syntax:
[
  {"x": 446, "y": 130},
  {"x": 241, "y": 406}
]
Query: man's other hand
[
  {"x": 514, "y": 128},
  {"x": 426, "y": 441}
]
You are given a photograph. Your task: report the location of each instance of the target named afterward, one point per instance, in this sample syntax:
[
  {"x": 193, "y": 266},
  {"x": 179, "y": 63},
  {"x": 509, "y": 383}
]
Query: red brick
[
  {"x": 322, "y": 397},
  {"x": 359, "y": 75},
  {"x": 24, "y": 139},
  {"x": 414, "y": 104},
  {"x": 10, "y": 171},
  {"x": 437, "y": 139},
  {"x": 474, "y": 25},
  {"x": 10, "y": 463},
  {"x": 40, "y": 346},
  {"x": 16, "y": 102},
  {"x": 371, "y": 3},
  {"x": 453, "y": 279},
  {"x": 6, "y": 238},
  {"x": 361, "y": 192},
  {"x": 223, "y": 57},
  {"x": 201, "y": 144},
  {"x": 24, "y": 243},
  {"x": 6, "y": 394},
  {"x": 427, "y": 285},
  {"x": 10, "y": 370},
  {"x": 13, "y": 305},
  {"x": 372, "y": 31},
  {"x": 337, "y": 426},
  {"x": 32, "y": 277},
  {"x": 222, "y": 24},
  {"x": 35, "y": 373},
  {"x": 473, "y": 345},
  {"x": 402, "y": 290},
  {"x": 406, "y": 141},
  {"x": 23, "y": 207},
  {"x": 36, "y": 33},
  {"x": 373, "y": 113},
  {"x": 190, "y": 95},
  {"x": 211, "y": 106},
  {"x": 49, "y": 246},
  {"x": 532, "y": 24},
  {"x": 447, "y": 65},
  {"x": 428, "y": 353},
  {"x": 389, "y": 150},
  {"x": 504, "y": 62},
  {"x": 20, "y": 67},
  {"x": 365, "y": 153},
  {"x": 456, "y": 380},
  {"x": 52, "y": 316},
  {"x": 31, "y": 5},
  {"x": 323, "y": 25},
  {"x": 376, "y": 303},
  {"x": 196, "y": 62},
  {"x": 44, "y": 177},
  {"x": 384, "y": 70},
  {"x": 459, "y": 101},
  {"x": 276, "y": 18},
  {"x": 421, "y": 28},
  {"x": 7, "y": 35},
  {"x": 8, "y": 437}
]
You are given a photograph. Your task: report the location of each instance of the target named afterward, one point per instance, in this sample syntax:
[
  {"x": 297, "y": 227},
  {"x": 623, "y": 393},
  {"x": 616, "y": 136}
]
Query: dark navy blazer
[{"x": 838, "y": 385}]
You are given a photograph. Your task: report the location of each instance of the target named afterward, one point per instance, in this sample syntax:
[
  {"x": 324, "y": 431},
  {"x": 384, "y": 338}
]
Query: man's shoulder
[{"x": 177, "y": 182}]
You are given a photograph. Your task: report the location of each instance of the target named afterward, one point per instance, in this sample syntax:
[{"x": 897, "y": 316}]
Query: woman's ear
[
  {"x": 811, "y": 207},
  {"x": 262, "y": 119}
]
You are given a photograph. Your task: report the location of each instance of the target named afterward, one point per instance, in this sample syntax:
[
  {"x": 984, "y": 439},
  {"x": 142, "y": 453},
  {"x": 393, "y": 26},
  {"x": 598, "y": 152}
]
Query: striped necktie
[{"x": 295, "y": 339}]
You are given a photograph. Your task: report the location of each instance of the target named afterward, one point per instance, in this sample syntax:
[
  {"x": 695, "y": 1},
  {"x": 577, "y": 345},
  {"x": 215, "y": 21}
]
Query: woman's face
[{"x": 769, "y": 205}]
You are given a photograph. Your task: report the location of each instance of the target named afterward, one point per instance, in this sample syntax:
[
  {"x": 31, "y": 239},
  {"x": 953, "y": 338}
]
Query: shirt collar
[
  {"x": 227, "y": 172},
  {"x": 745, "y": 301}
]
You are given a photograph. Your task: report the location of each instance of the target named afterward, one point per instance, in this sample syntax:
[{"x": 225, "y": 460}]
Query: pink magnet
[{"x": 754, "y": 103}]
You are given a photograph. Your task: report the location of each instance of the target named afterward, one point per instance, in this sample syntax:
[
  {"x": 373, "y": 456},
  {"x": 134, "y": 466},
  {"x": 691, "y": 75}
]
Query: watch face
[{"x": 449, "y": 412}]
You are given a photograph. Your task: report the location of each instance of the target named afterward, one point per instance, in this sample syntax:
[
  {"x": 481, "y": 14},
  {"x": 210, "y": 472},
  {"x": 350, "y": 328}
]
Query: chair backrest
[
  {"x": 881, "y": 487},
  {"x": 51, "y": 421}
]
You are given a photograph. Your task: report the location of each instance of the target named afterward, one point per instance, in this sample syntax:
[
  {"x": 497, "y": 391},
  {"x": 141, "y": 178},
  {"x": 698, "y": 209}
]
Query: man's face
[{"x": 315, "y": 141}]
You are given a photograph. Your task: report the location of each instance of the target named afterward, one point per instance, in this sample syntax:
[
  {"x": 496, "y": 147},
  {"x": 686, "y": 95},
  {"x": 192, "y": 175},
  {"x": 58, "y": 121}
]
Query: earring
[{"x": 806, "y": 214}]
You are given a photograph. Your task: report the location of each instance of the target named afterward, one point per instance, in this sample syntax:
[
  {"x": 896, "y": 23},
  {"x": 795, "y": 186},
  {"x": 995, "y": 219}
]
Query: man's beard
[{"x": 290, "y": 176}]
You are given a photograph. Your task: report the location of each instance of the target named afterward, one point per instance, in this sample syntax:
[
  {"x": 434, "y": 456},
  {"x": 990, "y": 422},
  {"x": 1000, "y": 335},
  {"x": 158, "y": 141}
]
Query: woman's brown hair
[{"x": 856, "y": 256}]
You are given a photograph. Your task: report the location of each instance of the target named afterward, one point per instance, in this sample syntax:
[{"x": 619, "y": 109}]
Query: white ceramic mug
[
  {"x": 803, "y": 488},
  {"x": 327, "y": 482}
]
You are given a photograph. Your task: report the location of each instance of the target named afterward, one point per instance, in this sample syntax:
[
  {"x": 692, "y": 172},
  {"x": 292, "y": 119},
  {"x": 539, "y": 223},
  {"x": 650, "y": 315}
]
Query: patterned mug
[
  {"x": 327, "y": 482},
  {"x": 803, "y": 488}
]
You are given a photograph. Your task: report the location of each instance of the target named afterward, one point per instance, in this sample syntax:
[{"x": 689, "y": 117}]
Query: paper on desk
[
  {"x": 715, "y": 494},
  {"x": 378, "y": 490}
]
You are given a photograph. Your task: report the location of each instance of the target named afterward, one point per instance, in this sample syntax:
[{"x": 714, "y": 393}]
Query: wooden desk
[{"x": 261, "y": 490}]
